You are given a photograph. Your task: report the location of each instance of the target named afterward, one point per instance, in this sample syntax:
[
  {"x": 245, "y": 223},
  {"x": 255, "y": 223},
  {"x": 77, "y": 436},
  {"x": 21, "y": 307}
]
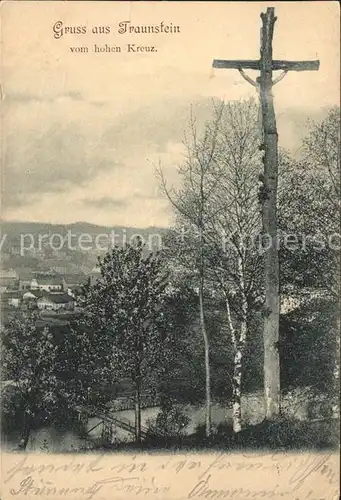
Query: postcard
[{"x": 170, "y": 250}]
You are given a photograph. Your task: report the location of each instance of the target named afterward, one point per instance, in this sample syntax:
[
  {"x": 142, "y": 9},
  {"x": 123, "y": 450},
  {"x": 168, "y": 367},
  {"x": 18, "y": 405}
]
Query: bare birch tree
[
  {"x": 235, "y": 225},
  {"x": 191, "y": 203},
  {"x": 219, "y": 198}
]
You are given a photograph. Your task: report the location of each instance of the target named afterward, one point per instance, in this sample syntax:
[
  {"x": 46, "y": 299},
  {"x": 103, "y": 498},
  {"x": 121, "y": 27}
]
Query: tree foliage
[
  {"x": 309, "y": 209},
  {"x": 29, "y": 361},
  {"x": 124, "y": 310}
]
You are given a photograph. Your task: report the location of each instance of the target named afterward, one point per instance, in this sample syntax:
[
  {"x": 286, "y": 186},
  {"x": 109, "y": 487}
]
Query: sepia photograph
[{"x": 170, "y": 250}]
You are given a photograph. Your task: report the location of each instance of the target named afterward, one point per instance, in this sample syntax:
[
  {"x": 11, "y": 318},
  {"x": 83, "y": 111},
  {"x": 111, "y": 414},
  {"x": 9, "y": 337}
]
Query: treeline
[{"x": 186, "y": 322}]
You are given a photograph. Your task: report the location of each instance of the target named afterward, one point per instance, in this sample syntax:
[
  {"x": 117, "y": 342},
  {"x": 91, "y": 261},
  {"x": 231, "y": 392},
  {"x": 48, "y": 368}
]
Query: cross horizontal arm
[
  {"x": 276, "y": 65},
  {"x": 296, "y": 65},
  {"x": 219, "y": 63}
]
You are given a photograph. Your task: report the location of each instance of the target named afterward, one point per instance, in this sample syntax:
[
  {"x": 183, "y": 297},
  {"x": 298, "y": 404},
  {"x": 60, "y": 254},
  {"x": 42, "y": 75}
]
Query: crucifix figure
[{"x": 264, "y": 83}]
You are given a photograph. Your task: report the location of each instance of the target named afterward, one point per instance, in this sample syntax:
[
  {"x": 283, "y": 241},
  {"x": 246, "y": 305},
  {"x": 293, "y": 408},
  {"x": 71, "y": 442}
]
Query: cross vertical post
[
  {"x": 264, "y": 84},
  {"x": 269, "y": 218}
]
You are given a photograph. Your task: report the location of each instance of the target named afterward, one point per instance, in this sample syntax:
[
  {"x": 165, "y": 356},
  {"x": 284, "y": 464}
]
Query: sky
[{"x": 82, "y": 133}]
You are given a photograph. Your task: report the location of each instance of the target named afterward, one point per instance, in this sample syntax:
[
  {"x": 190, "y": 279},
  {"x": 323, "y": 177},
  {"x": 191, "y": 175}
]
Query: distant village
[
  {"x": 47, "y": 281},
  {"x": 37, "y": 277},
  {"x": 51, "y": 294}
]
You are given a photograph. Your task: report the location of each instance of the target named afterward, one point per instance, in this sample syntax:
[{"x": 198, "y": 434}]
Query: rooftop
[
  {"x": 8, "y": 273},
  {"x": 12, "y": 294},
  {"x": 25, "y": 274},
  {"x": 49, "y": 280},
  {"x": 36, "y": 293},
  {"x": 57, "y": 298},
  {"x": 74, "y": 279}
]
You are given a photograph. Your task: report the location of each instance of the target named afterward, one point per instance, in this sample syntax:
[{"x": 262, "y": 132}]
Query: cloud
[
  {"x": 158, "y": 124},
  {"x": 27, "y": 97},
  {"x": 53, "y": 159},
  {"x": 59, "y": 143},
  {"x": 104, "y": 203}
]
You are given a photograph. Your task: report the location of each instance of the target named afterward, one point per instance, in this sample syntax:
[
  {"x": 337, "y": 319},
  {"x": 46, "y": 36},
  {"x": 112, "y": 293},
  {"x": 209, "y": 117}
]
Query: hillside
[{"x": 69, "y": 248}]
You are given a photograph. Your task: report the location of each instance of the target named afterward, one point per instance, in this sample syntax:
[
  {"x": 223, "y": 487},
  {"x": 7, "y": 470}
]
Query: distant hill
[
  {"x": 13, "y": 232},
  {"x": 14, "y": 229},
  {"x": 17, "y": 237}
]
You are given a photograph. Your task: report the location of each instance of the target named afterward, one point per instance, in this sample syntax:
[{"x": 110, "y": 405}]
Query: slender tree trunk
[
  {"x": 237, "y": 391},
  {"x": 237, "y": 374},
  {"x": 83, "y": 418},
  {"x": 237, "y": 379},
  {"x": 207, "y": 364},
  {"x": 336, "y": 371},
  {"x": 208, "y": 418},
  {"x": 138, "y": 411},
  {"x": 269, "y": 216},
  {"x": 240, "y": 343},
  {"x": 26, "y": 432},
  {"x": 229, "y": 319}
]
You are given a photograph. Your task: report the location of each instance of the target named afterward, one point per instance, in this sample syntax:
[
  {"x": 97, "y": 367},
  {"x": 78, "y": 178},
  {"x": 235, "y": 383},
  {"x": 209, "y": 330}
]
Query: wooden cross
[{"x": 264, "y": 83}]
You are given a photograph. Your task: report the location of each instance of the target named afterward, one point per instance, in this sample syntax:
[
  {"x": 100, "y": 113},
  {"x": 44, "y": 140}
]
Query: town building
[
  {"x": 56, "y": 302},
  {"x": 95, "y": 275},
  {"x": 74, "y": 281},
  {"x": 48, "y": 283},
  {"x": 8, "y": 278},
  {"x": 33, "y": 294},
  {"x": 25, "y": 278},
  {"x": 12, "y": 298}
]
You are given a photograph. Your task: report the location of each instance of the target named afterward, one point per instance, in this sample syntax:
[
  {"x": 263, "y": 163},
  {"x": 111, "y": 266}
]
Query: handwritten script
[{"x": 298, "y": 476}]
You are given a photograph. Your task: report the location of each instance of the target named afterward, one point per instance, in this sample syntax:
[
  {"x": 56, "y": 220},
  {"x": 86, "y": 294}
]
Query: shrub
[
  {"x": 289, "y": 434},
  {"x": 170, "y": 424}
]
